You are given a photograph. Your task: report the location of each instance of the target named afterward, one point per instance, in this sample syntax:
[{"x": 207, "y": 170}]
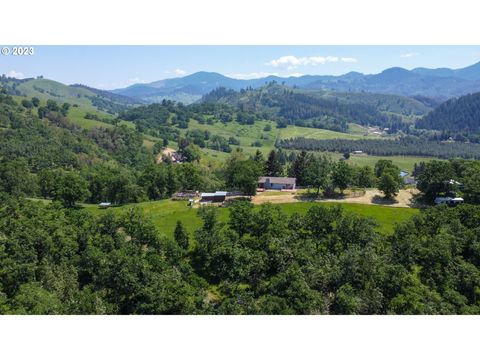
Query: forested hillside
[
  {"x": 42, "y": 153},
  {"x": 460, "y": 115},
  {"x": 407, "y": 145},
  {"x": 320, "y": 109}
]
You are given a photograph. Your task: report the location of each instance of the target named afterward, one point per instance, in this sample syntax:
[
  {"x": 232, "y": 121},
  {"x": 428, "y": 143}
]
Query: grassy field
[
  {"x": 247, "y": 134},
  {"x": 403, "y": 162},
  {"x": 48, "y": 89},
  {"x": 165, "y": 213},
  {"x": 321, "y": 134},
  {"x": 77, "y": 114}
]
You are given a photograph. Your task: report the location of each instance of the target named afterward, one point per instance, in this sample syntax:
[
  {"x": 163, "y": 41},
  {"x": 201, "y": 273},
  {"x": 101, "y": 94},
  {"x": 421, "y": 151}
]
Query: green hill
[
  {"x": 455, "y": 115},
  {"x": 323, "y": 109},
  {"x": 80, "y": 95}
]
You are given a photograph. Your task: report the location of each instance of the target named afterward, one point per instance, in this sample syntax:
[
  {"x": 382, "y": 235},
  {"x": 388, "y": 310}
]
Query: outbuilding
[
  {"x": 450, "y": 201},
  {"x": 217, "y": 196},
  {"x": 277, "y": 183}
]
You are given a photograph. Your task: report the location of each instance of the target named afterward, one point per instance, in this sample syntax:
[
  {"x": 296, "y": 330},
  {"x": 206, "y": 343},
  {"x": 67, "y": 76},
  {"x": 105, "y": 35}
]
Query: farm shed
[{"x": 217, "y": 196}]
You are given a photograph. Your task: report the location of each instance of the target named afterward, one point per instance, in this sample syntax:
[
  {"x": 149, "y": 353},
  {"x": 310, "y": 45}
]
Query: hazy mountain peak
[{"x": 439, "y": 83}]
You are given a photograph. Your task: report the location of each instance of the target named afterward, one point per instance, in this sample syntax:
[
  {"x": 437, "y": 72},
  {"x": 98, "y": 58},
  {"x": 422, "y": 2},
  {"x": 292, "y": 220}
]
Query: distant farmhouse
[{"x": 277, "y": 183}]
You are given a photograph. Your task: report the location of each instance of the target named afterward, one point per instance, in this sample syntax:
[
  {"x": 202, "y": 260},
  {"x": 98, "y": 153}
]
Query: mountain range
[{"x": 440, "y": 84}]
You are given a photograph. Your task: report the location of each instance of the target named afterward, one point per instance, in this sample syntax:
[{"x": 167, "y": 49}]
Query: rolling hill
[
  {"x": 322, "y": 109},
  {"x": 81, "y": 95}
]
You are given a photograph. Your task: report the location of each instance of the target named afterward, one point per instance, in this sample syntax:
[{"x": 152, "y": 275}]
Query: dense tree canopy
[
  {"x": 458, "y": 115},
  {"x": 328, "y": 261},
  {"x": 407, "y": 145}
]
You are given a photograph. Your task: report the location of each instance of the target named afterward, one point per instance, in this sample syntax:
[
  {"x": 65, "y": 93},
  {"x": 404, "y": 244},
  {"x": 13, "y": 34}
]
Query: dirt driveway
[{"x": 371, "y": 197}]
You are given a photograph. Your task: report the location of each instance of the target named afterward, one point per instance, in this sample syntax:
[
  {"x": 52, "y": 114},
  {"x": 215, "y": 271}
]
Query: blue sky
[{"x": 110, "y": 67}]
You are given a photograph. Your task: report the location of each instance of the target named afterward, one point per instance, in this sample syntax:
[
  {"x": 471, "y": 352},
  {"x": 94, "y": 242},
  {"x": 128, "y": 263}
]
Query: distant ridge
[{"x": 440, "y": 84}]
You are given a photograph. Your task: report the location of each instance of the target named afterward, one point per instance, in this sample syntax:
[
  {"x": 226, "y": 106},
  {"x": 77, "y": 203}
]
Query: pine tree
[
  {"x": 274, "y": 168},
  {"x": 297, "y": 170},
  {"x": 181, "y": 235},
  {"x": 260, "y": 161}
]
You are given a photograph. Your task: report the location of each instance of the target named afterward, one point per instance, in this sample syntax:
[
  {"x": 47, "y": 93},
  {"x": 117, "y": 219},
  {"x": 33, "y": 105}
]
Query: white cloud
[
  {"x": 15, "y": 74},
  {"x": 349, "y": 59},
  {"x": 291, "y": 62},
  {"x": 261, "y": 74},
  {"x": 120, "y": 85},
  {"x": 409, "y": 55},
  {"x": 296, "y": 74},
  {"x": 178, "y": 72},
  {"x": 252, "y": 75},
  {"x": 136, "y": 80}
]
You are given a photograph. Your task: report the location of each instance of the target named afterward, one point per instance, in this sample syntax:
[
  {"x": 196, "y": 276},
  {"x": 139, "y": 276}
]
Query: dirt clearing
[{"x": 372, "y": 197}]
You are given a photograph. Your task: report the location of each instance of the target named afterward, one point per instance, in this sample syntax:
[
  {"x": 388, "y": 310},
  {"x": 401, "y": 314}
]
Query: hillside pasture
[{"x": 165, "y": 213}]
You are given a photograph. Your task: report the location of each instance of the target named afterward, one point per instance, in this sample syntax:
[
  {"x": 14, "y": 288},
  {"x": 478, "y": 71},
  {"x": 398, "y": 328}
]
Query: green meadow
[{"x": 165, "y": 213}]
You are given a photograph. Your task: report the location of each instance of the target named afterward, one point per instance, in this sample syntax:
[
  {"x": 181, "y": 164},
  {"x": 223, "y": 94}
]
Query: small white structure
[
  {"x": 453, "y": 182},
  {"x": 105, "y": 205},
  {"x": 357, "y": 152},
  {"x": 451, "y": 201}
]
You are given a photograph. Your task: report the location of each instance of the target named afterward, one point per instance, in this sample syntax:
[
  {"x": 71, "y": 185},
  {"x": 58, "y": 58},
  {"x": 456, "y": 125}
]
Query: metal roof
[{"x": 216, "y": 193}]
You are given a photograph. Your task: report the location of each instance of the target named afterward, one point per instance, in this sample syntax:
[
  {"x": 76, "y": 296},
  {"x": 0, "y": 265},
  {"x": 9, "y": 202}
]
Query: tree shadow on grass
[
  {"x": 380, "y": 200},
  {"x": 313, "y": 196},
  {"x": 307, "y": 197}
]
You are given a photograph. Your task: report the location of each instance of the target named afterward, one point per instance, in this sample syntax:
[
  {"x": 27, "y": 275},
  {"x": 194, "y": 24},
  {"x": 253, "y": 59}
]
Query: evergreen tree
[
  {"x": 260, "y": 161},
  {"x": 298, "y": 168},
  {"x": 181, "y": 235},
  {"x": 273, "y": 166}
]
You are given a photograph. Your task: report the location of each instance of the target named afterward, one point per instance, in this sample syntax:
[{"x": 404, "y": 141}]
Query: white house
[{"x": 277, "y": 183}]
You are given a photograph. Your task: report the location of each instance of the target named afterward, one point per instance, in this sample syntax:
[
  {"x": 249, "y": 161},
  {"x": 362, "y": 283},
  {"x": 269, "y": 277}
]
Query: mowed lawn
[{"x": 165, "y": 213}]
